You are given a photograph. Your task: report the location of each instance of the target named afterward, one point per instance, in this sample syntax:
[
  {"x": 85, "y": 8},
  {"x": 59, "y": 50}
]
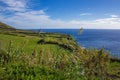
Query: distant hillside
[
  {"x": 7, "y": 29},
  {"x": 5, "y": 26}
]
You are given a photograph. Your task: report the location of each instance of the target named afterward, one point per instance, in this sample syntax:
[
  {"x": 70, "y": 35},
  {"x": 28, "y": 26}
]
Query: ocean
[{"x": 94, "y": 38}]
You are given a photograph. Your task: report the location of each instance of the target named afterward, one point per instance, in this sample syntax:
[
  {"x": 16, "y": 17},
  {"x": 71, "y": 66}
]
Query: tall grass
[{"x": 84, "y": 64}]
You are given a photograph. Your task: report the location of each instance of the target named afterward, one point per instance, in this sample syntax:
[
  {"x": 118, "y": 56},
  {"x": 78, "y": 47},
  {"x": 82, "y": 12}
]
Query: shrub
[
  {"x": 42, "y": 41},
  {"x": 96, "y": 62}
]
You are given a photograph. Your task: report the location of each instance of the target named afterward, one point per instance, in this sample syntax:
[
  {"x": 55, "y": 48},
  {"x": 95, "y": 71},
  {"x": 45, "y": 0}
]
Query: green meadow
[{"x": 28, "y": 44}]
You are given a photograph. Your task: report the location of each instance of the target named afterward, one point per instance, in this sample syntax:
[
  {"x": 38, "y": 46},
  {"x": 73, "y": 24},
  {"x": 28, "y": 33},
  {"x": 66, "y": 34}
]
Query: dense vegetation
[{"x": 26, "y": 55}]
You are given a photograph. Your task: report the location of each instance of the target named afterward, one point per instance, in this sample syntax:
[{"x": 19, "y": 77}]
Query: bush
[
  {"x": 42, "y": 41},
  {"x": 96, "y": 62}
]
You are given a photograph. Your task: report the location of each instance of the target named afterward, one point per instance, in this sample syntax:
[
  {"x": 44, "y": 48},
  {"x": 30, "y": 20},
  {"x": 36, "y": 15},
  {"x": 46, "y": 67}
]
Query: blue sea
[{"x": 95, "y": 38}]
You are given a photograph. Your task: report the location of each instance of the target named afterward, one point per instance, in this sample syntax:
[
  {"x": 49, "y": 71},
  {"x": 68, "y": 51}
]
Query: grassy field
[
  {"x": 29, "y": 44},
  {"x": 48, "y": 61}
]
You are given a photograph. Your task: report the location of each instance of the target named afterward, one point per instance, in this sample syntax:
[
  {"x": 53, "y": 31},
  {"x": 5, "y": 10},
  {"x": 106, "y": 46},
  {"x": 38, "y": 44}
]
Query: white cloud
[
  {"x": 15, "y": 5},
  {"x": 105, "y": 23},
  {"x": 114, "y": 16},
  {"x": 30, "y": 20},
  {"x": 85, "y": 14},
  {"x": 111, "y": 15}
]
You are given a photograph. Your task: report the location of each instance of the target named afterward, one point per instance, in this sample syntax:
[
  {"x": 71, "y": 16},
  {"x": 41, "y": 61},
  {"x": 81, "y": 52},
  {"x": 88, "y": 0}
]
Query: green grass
[
  {"x": 29, "y": 44},
  {"x": 52, "y": 65},
  {"x": 115, "y": 69},
  {"x": 22, "y": 58}
]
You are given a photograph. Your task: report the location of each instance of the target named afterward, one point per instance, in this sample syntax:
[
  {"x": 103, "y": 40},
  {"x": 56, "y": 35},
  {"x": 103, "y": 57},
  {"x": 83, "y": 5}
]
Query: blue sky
[{"x": 35, "y": 14}]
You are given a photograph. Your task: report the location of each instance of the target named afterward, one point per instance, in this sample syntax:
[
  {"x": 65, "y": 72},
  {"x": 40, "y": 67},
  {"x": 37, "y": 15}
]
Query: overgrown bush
[{"x": 96, "y": 62}]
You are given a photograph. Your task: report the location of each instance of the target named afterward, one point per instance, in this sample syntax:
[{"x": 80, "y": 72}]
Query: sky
[{"x": 61, "y": 14}]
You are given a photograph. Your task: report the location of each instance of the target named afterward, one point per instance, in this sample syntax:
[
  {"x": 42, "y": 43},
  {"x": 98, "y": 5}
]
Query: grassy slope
[
  {"x": 28, "y": 40},
  {"x": 29, "y": 44},
  {"x": 115, "y": 69},
  {"x": 3, "y": 25}
]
